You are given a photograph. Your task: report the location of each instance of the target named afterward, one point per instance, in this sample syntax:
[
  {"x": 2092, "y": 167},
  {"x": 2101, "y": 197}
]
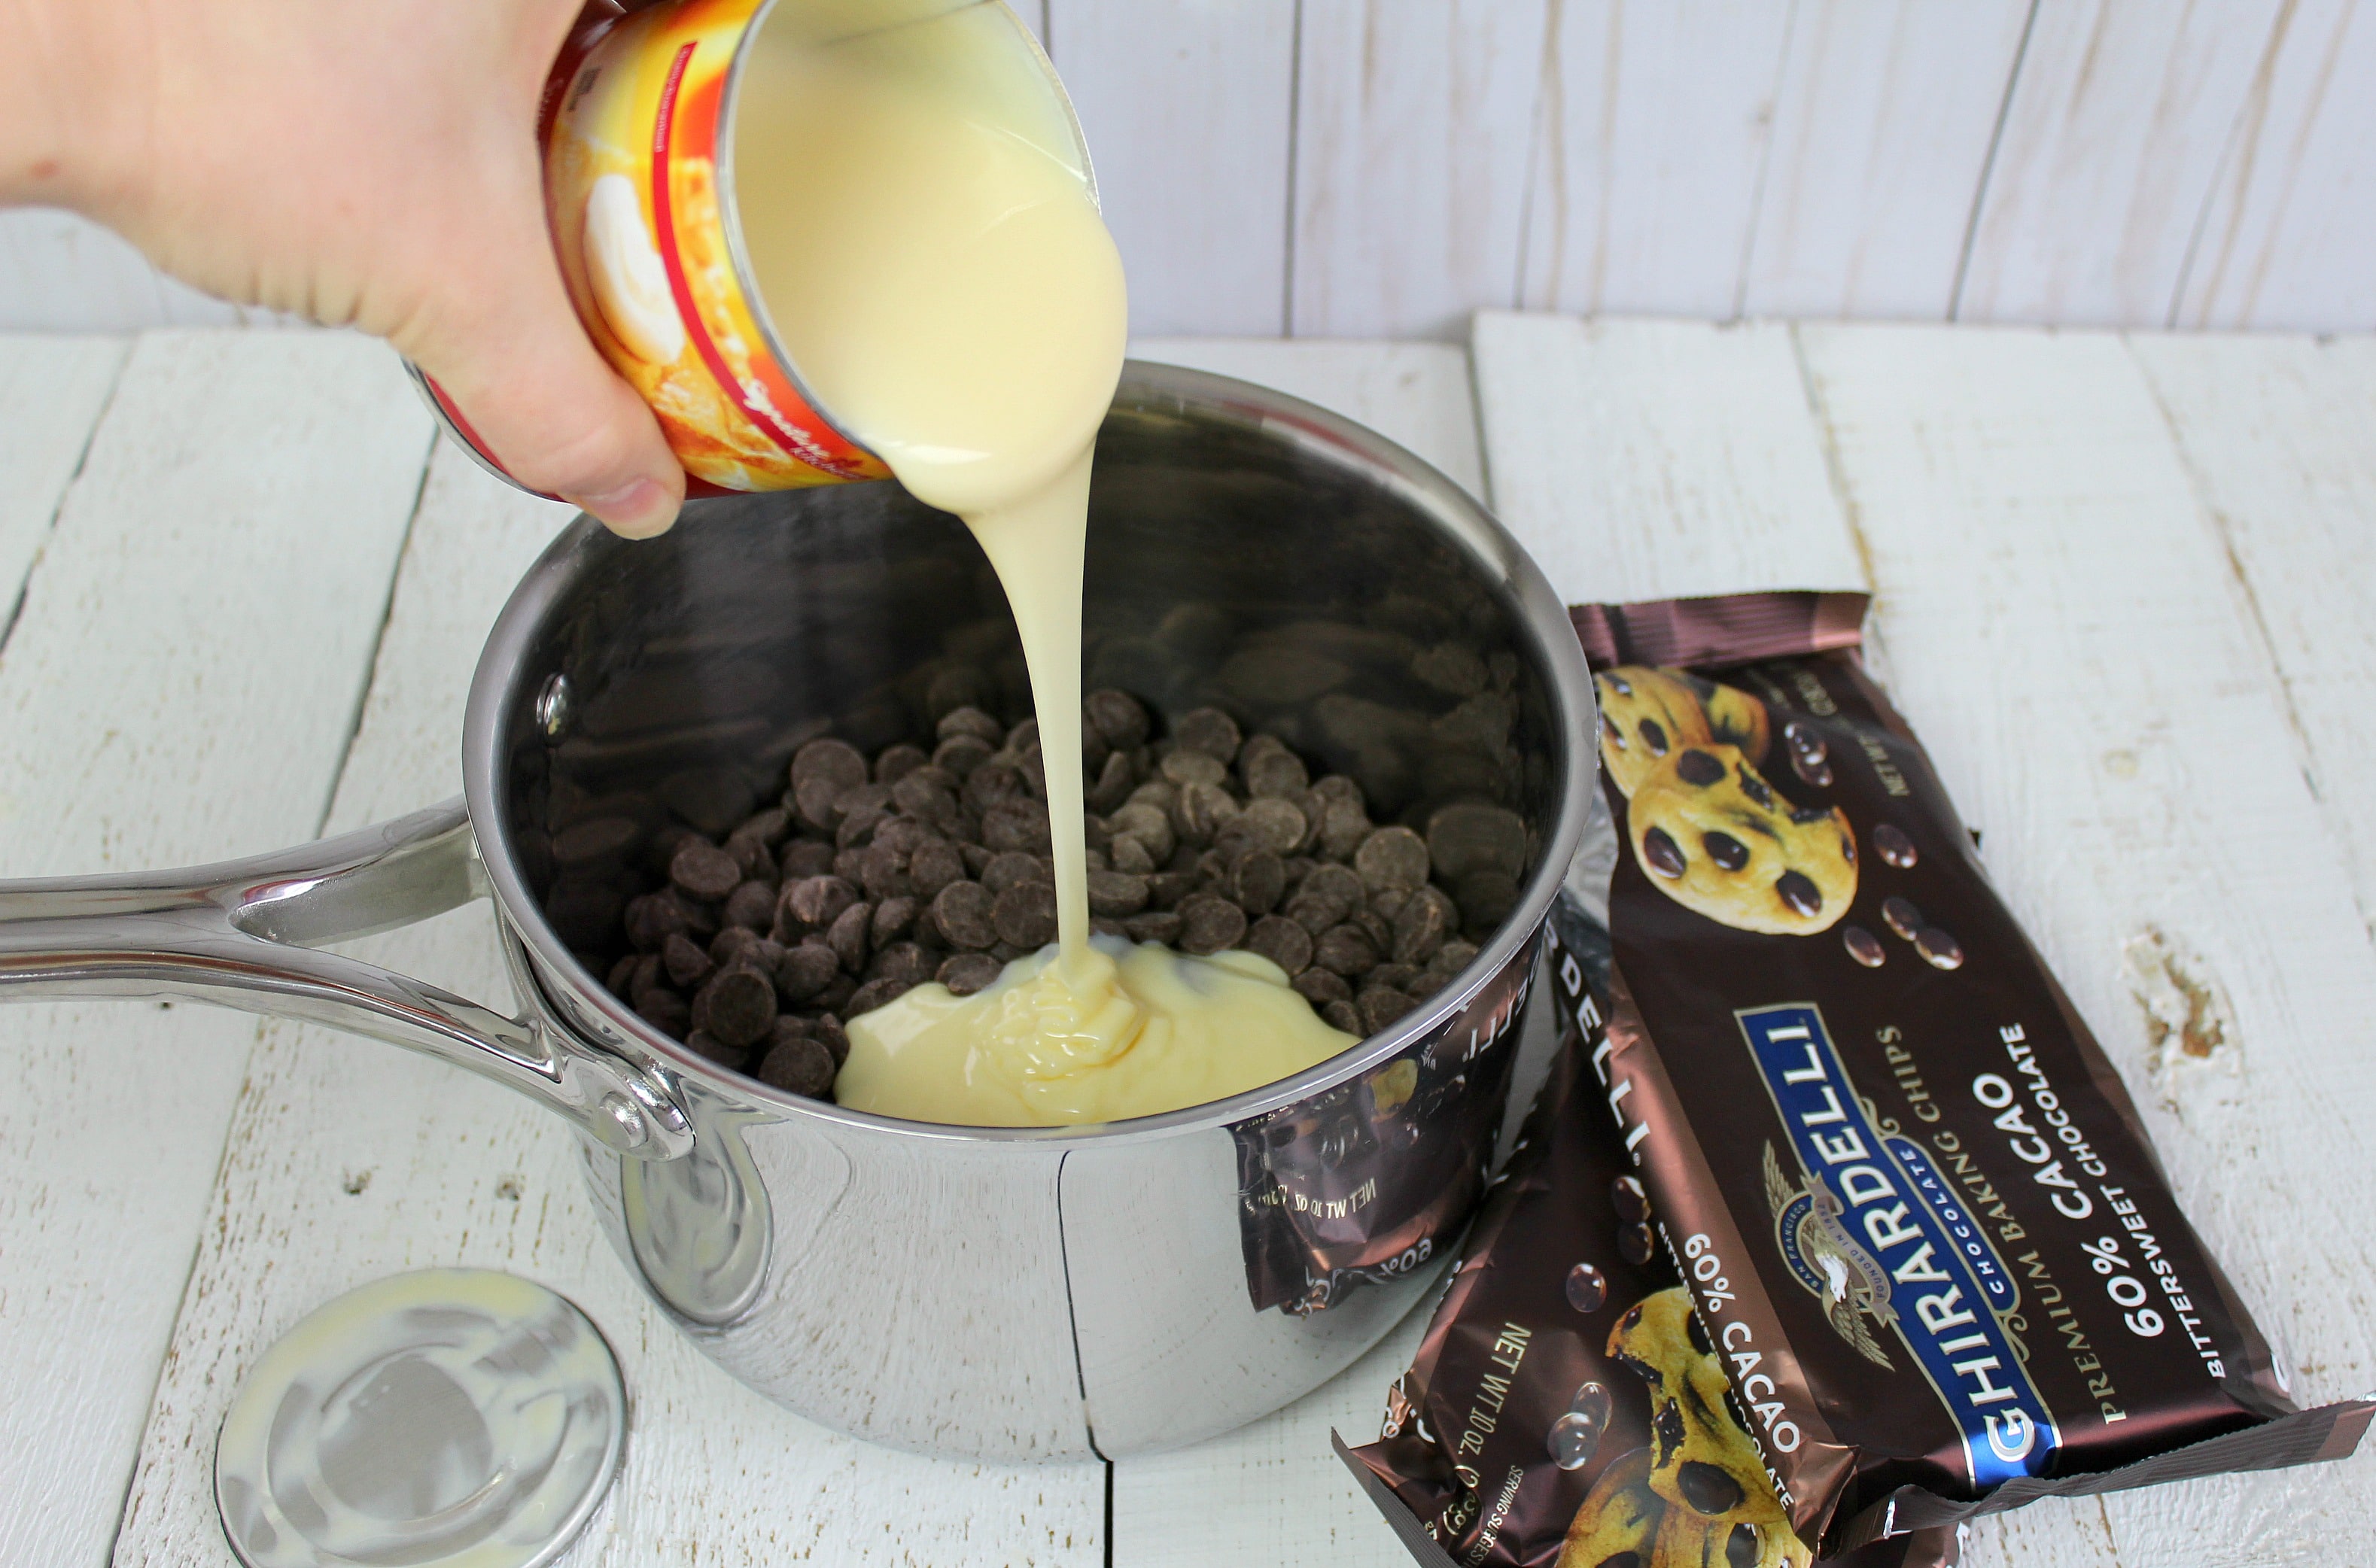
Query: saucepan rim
[{"x": 498, "y": 688}]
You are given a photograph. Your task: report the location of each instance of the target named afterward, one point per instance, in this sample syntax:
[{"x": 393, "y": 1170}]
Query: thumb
[{"x": 509, "y": 351}]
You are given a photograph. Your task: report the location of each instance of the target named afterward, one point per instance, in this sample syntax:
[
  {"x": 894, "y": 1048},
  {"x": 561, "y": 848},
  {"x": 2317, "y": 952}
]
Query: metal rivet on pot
[
  {"x": 552, "y": 707},
  {"x": 619, "y": 1124}
]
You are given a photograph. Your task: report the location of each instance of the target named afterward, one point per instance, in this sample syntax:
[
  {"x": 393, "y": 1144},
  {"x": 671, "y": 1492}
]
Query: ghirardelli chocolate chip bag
[
  {"x": 1567, "y": 1406},
  {"x": 1930, "y": 1246}
]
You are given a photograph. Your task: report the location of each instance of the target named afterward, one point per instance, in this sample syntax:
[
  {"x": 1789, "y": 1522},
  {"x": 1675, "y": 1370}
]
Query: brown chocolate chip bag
[
  {"x": 1566, "y": 1406},
  {"x": 1915, "y": 1208}
]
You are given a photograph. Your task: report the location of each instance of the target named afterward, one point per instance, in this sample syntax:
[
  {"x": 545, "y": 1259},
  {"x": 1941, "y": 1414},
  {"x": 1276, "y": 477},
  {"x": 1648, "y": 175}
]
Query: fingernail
[{"x": 637, "y": 510}]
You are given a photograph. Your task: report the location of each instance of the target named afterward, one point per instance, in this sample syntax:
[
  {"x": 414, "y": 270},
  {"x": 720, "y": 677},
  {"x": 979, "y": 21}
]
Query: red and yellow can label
[{"x": 631, "y": 178}]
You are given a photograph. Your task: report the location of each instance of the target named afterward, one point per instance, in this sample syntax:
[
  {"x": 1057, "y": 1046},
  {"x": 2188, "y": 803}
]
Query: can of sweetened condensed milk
[{"x": 638, "y": 128}]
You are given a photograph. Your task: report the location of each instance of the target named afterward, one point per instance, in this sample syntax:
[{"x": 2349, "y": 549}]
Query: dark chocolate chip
[
  {"x": 1893, "y": 846},
  {"x": 1586, "y": 1287},
  {"x": 1257, "y": 882},
  {"x": 1155, "y": 925},
  {"x": 933, "y": 866},
  {"x": 815, "y": 903},
  {"x": 837, "y": 762},
  {"x": 1863, "y": 946},
  {"x": 1664, "y": 855},
  {"x": 1341, "y": 1015},
  {"x": 1282, "y": 942},
  {"x": 701, "y": 869},
  {"x": 965, "y": 973},
  {"x": 1025, "y": 915},
  {"x": 751, "y": 905},
  {"x": 1938, "y": 948},
  {"x": 1744, "y": 1548},
  {"x": 894, "y": 918},
  {"x": 1274, "y": 772},
  {"x": 1012, "y": 869},
  {"x": 1708, "y": 1490},
  {"x": 1634, "y": 1244},
  {"x": 1814, "y": 770},
  {"x": 739, "y": 1007},
  {"x": 1654, "y": 736},
  {"x": 903, "y": 963},
  {"x": 1725, "y": 851},
  {"x": 1803, "y": 741},
  {"x": 1797, "y": 890},
  {"x": 970, "y": 721},
  {"x": 848, "y": 934},
  {"x": 1346, "y": 950},
  {"x": 876, "y": 994},
  {"x": 1317, "y": 985},
  {"x": 1392, "y": 857},
  {"x": 800, "y": 1065},
  {"x": 1667, "y": 1427},
  {"x": 1696, "y": 1331},
  {"x": 1019, "y": 825},
  {"x": 1118, "y": 719},
  {"x": 805, "y": 970},
  {"x": 686, "y": 964},
  {"x": 1755, "y": 788},
  {"x": 1187, "y": 766},
  {"x": 1209, "y": 730},
  {"x": 1626, "y": 1196},
  {"x": 1698, "y": 768},
  {"x": 1116, "y": 893},
  {"x": 962, "y": 910},
  {"x": 1380, "y": 1006},
  {"x": 962, "y": 754},
  {"x": 1209, "y": 924},
  {"x": 895, "y": 762},
  {"x": 1902, "y": 916}
]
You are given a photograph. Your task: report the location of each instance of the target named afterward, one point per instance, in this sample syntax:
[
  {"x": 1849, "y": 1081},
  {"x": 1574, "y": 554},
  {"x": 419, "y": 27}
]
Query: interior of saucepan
[{"x": 1233, "y": 561}]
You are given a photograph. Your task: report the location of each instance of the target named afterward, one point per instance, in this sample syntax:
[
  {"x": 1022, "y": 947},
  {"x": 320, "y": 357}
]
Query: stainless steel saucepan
[{"x": 1006, "y": 1293}]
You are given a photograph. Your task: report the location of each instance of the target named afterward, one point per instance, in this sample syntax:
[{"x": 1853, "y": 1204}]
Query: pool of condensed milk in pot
[{"x": 926, "y": 238}]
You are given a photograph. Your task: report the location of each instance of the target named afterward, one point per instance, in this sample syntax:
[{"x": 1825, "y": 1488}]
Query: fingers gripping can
[{"x": 637, "y": 134}]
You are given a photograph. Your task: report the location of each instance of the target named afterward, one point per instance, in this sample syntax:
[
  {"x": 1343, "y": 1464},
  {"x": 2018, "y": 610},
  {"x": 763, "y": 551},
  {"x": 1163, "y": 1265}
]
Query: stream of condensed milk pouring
[{"x": 931, "y": 254}]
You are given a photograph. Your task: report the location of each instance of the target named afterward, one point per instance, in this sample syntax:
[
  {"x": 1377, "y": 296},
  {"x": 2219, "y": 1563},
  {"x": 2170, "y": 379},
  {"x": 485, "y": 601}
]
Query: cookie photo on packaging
[
  {"x": 1917, "y": 1213},
  {"x": 1567, "y": 1407}
]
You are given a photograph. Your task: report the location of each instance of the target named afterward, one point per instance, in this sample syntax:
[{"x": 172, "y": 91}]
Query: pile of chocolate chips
[{"x": 877, "y": 875}]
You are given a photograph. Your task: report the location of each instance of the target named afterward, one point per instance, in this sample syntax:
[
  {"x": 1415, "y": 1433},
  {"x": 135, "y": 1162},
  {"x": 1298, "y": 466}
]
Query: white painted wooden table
[{"x": 2126, "y": 586}]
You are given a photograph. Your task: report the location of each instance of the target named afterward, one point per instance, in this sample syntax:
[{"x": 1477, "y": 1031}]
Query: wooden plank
[
  {"x": 2111, "y": 140},
  {"x": 2283, "y": 241},
  {"x": 1653, "y": 131},
  {"x": 52, "y": 390},
  {"x": 179, "y": 687},
  {"x": 2070, "y": 641},
  {"x": 1643, "y": 459},
  {"x": 1416, "y": 394},
  {"x": 1411, "y": 129},
  {"x": 1185, "y": 105},
  {"x": 349, "y": 1160},
  {"x": 2275, "y": 431},
  {"x": 1882, "y": 129}
]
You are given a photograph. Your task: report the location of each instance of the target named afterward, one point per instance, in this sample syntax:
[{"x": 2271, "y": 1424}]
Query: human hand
[{"x": 367, "y": 164}]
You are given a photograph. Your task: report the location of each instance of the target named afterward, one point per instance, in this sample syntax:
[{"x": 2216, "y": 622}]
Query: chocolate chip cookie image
[
  {"x": 1686, "y": 1540},
  {"x": 1618, "y": 1525},
  {"x": 1647, "y": 713},
  {"x": 1714, "y": 836},
  {"x": 1701, "y": 1460}
]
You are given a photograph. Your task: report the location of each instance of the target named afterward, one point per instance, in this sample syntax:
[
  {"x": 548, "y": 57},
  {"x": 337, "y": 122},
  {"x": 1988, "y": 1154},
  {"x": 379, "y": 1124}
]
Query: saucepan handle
[{"x": 247, "y": 934}]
